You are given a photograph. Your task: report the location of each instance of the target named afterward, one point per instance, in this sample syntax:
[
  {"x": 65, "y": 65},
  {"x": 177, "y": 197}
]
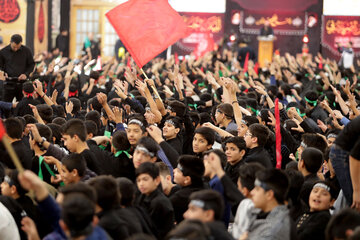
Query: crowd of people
[{"x": 183, "y": 150}]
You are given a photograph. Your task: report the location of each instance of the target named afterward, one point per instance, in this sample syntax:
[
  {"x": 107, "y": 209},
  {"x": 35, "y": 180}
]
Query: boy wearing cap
[
  {"x": 188, "y": 175},
  {"x": 312, "y": 224},
  {"x": 152, "y": 198}
]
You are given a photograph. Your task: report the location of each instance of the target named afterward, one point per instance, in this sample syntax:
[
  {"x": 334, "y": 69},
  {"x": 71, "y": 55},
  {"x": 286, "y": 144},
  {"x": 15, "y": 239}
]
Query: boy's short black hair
[
  {"x": 193, "y": 167},
  {"x": 313, "y": 159},
  {"x": 29, "y": 119},
  {"x": 13, "y": 127},
  {"x": 91, "y": 127},
  {"x": 149, "y": 144},
  {"x": 78, "y": 212},
  {"x": 127, "y": 191},
  {"x": 296, "y": 180},
  {"x": 311, "y": 96},
  {"x": 239, "y": 142},
  {"x": 95, "y": 117},
  {"x": 212, "y": 201},
  {"x": 219, "y": 153},
  {"x": 260, "y": 132},
  {"x": 178, "y": 107},
  {"x": 80, "y": 187},
  {"x": 250, "y": 120},
  {"x": 176, "y": 121},
  {"x": 44, "y": 131},
  {"x": 106, "y": 188},
  {"x": 207, "y": 133},
  {"x": 45, "y": 112},
  {"x": 95, "y": 75},
  {"x": 28, "y": 87},
  {"x": 12, "y": 175},
  {"x": 163, "y": 168},
  {"x": 275, "y": 180},
  {"x": 16, "y": 38},
  {"x": 120, "y": 141},
  {"x": 190, "y": 230},
  {"x": 75, "y": 127},
  {"x": 247, "y": 174},
  {"x": 75, "y": 161},
  {"x": 148, "y": 168},
  {"x": 314, "y": 140},
  {"x": 59, "y": 121},
  {"x": 341, "y": 222}
]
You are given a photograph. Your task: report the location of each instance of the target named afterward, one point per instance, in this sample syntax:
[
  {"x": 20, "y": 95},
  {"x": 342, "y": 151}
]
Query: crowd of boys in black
[{"x": 185, "y": 152}]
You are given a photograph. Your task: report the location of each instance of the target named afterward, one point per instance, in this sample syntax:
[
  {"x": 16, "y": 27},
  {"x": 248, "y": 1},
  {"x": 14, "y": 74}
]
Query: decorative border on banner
[{"x": 279, "y": 32}]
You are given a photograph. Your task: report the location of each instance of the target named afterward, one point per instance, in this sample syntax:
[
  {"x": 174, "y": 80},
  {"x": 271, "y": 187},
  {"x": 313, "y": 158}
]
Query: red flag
[
  {"x": 278, "y": 135},
  {"x": 176, "y": 58},
  {"x": 146, "y": 27},
  {"x": 320, "y": 63},
  {"x": 246, "y": 62},
  {"x": 2, "y": 130}
]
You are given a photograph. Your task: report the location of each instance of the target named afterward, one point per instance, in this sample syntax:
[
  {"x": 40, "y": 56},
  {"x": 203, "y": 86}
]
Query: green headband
[
  {"x": 193, "y": 105},
  {"x": 314, "y": 103},
  {"x": 254, "y": 110},
  {"x": 122, "y": 151},
  {"x": 202, "y": 84}
]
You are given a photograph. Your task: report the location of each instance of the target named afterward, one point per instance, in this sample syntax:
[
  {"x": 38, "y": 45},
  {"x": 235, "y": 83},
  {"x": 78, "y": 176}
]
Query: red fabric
[
  {"x": 278, "y": 135},
  {"x": 73, "y": 94},
  {"x": 206, "y": 44},
  {"x": 320, "y": 63},
  {"x": 176, "y": 58},
  {"x": 246, "y": 62},
  {"x": 146, "y": 27},
  {"x": 2, "y": 130}
]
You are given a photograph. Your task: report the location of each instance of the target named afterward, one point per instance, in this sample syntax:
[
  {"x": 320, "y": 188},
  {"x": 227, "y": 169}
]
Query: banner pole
[{"x": 152, "y": 87}]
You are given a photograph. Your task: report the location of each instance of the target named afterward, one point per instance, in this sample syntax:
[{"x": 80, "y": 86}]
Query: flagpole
[
  {"x": 12, "y": 154},
  {"x": 152, "y": 87}
]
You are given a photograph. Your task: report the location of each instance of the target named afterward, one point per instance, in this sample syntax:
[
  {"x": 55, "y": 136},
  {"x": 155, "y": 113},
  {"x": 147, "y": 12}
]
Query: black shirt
[
  {"x": 349, "y": 138},
  {"x": 16, "y": 63},
  {"x": 260, "y": 155},
  {"x": 22, "y": 151},
  {"x": 233, "y": 170},
  {"x": 92, "y": 163}
]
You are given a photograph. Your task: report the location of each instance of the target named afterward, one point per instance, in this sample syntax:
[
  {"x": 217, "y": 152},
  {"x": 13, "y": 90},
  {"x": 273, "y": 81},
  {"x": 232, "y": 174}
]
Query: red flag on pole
[
  {"x": 256, "y": 67},
  {"x": 2, "y": 129},
  {"x": 246, "y": 62},
  {"x": 278, "y": 135},
  {"x": 320, "y": 63},
  {"x": 146, "y": 27},
  {"x": 176, "y": 58}
]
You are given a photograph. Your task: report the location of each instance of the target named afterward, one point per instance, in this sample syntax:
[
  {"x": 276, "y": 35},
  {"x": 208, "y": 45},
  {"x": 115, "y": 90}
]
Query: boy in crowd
[
  {"x": 208, "y": 207},
  {"x": 14, "y": 130},
  {"x": 310, "y": 162},
  {"x": 203, "y": 140},
  {"x": 153, "y": 200},
  {"x": 166, "y": 182},
  {"x": 255, "y": 138},
  {"x": 135, "y": 130},
  {"x": 188, "y": 175},
  {"x": 235, "y": 149},
  {"x": 74, "y": 135},
  {"x": 171, "y": 133},
  {"x": 145, "y": 151},
  {"x": 224, "y": 117}
]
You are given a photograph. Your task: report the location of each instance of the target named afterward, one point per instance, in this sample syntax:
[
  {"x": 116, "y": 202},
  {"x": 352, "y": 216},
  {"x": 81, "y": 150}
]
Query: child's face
[
  {"x": 195, "y": 213},
  {"x": 67, "y": 176},
  {"x": 320, "y": 199},
  {"x": 179, "y": 177},
  {"x": 69, "y": 142},
  {"x": 140, "y": 157},
  {"x": 233, "y": 153},
  {"x": 5, "y": 189},
  {"x": 200, "y": 144},
  {"x": 242, "y": 128},
  {"x": 134, "y": 133},
  {"x": 146, "y": 183},
  {"x": 169, "y": 131},
  {"x": 258, "y": 196}
]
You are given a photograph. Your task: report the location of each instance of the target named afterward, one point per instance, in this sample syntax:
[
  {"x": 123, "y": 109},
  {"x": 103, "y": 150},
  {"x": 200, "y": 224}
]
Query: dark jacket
[
  {"x": 24, "y": 154},
  {"x": 160, "y": 210},
  {"x": 16, "y": 63},
  {"x": 307, "y": 186},
  {"x": 311, "y": 225},
  {"x": 233, "y": 170},
  {"x": 259, "y": 155},
  {"x": 115, "y": 226},
  {"x": 317, "y": 113},
  {"x": 218, "y": 231},
  {"x": 180, "y": 200}
]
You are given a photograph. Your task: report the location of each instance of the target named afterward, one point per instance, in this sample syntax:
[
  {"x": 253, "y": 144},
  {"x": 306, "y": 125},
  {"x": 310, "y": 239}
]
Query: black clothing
[
  {"x": 133, "y": 223},
  {"x": 62, "y": 42},
  {"x": 233, "y": 170},
  {"x": 45, "y": 172},
  {"x": 91, "y": 162},
  {"x": 176, "y": 143},
  {"x": 110, "y": 221},
  {"x": 23, "y": 107},
  {"x": 317, "y": 113},
  {"x": 349, "y": 140},
  {"x": 173, "y": 190},
  {"x": 147, "y": 225},
  {"x": 16, "y": 63},
  {"x": 243, "y": 52},
  {"x": 24, "y": 154},
  {"x": 218, "y": 231},
  {"x": 311, "y": 225},
  {"x": 266, "y": 31},
  {"x": 160, "y": 210},
  {"x": 259, "y": 155},
  {"x": 306, "y": 188},
  {"x": 180, "y": 200},
  {"x": 232, "y": 194}
]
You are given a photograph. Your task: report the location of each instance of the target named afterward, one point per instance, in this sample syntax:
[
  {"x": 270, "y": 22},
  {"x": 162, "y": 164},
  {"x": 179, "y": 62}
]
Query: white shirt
[{"x": 8, "y": 228}]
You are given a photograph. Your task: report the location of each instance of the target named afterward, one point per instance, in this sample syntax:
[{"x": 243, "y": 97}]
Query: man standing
[
  {"x": 347, "y": 55},
  {"x": 16, "y": 60},
  {"x": 62, "y": 43},
  {"x": 266, "y": 30}
]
